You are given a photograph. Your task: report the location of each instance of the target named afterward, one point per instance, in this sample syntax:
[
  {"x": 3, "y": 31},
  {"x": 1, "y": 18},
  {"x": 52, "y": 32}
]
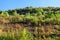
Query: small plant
[{"x": 25, "y": 35}]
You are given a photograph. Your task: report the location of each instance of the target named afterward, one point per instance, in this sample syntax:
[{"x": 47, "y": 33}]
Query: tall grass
[{"x": 23, "y": 35}]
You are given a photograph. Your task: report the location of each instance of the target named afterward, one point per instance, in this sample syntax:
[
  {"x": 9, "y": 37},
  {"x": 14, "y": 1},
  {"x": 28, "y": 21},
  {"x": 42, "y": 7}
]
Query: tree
[
  {"x": 28, "y": 16},
  {"x": 15, "y": 13},
  {"x": 29, "y": 7},
  {"x": 58, "y": 16},
  {"x": 2, "y": 13},
  {"x": 35, "y": 19},
  {"x": 6, "y": 14},
  {"x": 39, "y": 10}
]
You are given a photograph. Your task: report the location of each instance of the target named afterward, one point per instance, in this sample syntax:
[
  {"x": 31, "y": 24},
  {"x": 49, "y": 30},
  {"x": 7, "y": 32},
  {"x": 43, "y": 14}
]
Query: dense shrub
[{"x": 41, "y": 15}]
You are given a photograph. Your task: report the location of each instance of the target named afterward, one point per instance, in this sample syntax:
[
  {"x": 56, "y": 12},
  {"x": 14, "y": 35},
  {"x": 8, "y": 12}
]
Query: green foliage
[
  {"x": 28, "y": 16},
  {"x": 35, "y": 19},
  {"x": 15, "y": 13},
  {"x": 39, "y": 10},
  {"x": 5, "y": 14},
  {"x": 35, "y": 15},
  {"x": 25, "y": 35},
  {"x": 55, "y": 38}
]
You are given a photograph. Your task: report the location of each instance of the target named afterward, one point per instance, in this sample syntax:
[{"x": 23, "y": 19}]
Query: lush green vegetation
[
  {"x": 37, "y": 18},
  {"x": 37, "y": 15},
  {"x": 23, "y": 35}
]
